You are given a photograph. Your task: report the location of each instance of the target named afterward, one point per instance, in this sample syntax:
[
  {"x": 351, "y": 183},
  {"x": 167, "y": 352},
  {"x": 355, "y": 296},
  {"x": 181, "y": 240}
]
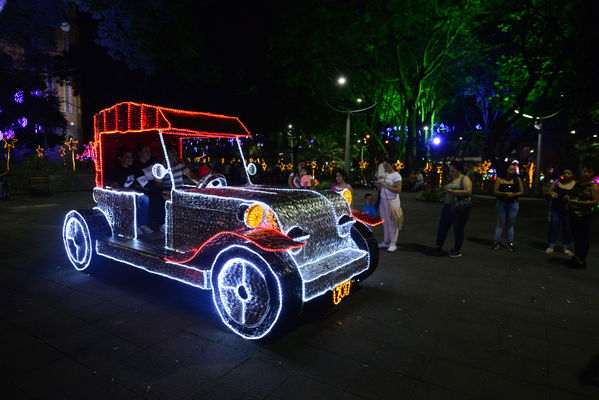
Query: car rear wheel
[{"x": 251, "y": 294}]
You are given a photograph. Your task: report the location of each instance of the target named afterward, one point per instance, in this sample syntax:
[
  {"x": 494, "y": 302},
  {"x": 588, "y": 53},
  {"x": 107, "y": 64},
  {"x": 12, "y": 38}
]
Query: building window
[{"x": 68, "y": 98}]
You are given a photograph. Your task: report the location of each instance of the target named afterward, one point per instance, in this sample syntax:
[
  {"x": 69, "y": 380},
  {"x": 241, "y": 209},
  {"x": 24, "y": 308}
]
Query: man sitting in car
[{"x": 123, "y": 178}]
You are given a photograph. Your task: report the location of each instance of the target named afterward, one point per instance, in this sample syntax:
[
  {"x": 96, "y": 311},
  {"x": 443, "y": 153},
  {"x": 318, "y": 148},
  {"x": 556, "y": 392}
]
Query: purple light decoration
[
  {"x": 436, "y": 140},
  {"x": 596, "y": 180},
  {"x": 19, "y": 97},
  {"x": 388, "y": 129},
  {"x": 36, "y": 93},
  {"x": 9, "y": 134},
  {"x": 22, "y": 122},
  {"x": 38, "y": 128},
  {"x": 479, "y": 127}
]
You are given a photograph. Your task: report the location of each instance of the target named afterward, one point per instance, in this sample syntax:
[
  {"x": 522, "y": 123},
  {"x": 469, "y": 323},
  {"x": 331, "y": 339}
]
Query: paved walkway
[{"x": 488, "y": 325}]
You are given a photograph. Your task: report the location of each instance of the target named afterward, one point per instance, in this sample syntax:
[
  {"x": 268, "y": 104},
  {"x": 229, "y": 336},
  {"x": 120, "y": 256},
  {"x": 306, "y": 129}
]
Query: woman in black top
[
  {"x": 508, "y": 188},
  {"x": 559, "y": 215},
  {"x": 585, "y": 196}
]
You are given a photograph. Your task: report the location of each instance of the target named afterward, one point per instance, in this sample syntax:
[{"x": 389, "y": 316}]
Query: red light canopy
[{"x": 134, "y": 117}]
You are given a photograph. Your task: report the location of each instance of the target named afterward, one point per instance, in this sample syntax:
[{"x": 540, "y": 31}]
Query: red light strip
[
  {"x": 199, "y": 249},
  {"x": 359, "y": 216}
]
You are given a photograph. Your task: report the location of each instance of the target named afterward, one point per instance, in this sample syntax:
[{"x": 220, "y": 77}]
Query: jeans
[
  {"x": 506, "y": 217},
  {"x": 559, "y": 218},
  {"x": 143, "y": 210},
  {"x": 449, "y": 218},
  {"x": 581, "y": 227}
]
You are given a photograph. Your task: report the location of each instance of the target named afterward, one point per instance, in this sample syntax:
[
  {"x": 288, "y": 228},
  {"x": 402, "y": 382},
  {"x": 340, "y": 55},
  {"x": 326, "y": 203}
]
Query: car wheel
[
  {"x": 366, "y": 241},
  {"x": 254, "y": 292},
  {"x": 80, "y": 231}
]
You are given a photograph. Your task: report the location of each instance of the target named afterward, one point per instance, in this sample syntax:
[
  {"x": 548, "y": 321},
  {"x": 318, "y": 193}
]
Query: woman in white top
[{"x": 390, "y": 187}]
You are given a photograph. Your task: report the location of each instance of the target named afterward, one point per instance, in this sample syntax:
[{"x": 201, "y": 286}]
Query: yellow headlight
[
  {"x": 347, "y": 196},
  {"x": 253, "y": 215}
]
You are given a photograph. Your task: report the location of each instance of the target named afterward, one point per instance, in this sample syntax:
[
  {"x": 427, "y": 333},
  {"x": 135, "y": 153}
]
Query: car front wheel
[{"x": 252, "y": 293}]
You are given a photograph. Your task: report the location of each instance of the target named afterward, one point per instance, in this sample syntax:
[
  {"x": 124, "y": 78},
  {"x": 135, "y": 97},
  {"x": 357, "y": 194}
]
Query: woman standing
[
  {"x": 390, "y": 207},
  {"x": 508, "y": 188},
  {"x": 460, "y": 186},
  {"x": 340, "y": 182},
  {"x": 585, "y": 195},
  {"x": 559, "y": 215}
]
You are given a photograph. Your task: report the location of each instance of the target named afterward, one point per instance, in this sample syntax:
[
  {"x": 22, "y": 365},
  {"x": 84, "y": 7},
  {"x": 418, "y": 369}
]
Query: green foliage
[{"x": 430, "y": 195}]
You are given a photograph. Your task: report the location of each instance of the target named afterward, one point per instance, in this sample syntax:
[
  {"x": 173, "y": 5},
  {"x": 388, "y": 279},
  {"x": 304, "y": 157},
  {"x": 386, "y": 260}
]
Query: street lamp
[
  {"x": 342, "y": 81},
  {"x": 539, "y": 126}
]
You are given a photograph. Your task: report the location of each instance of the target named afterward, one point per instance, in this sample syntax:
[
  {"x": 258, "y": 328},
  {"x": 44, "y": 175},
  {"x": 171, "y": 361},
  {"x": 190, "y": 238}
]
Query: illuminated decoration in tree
[
  {"x": 19, "y": 97},
  {"x": 440, "y": 173},
  {"x": 40, "y": 151},
  {"x": 531, "y": 173},
  {"x": 2, "y": 4},
  {"x": 71, "y": 145},
  {"x": 363, "y": 165},
  {"x": 38, "y": 128},
  {"x": 9, "y": 143},
  {"x": 7, "y": 134},
  {"x": 36, "y": 93},
  {"x": 262, "y": 251},
  {"x": 436, "y": 140},
  {"x": 22, "y": 122},
  {"x": 398, "y": 165}
]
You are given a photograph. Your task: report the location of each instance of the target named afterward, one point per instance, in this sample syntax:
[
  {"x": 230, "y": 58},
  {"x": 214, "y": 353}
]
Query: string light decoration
[
  {"x": 71, "y": 145},
  {"x": 398, "y": 165},
  {"x": 9, "y": 143},
  {"x": 40, "y": 151},
  {"x": 262, "y": 251},
  {"x": 363, "y": 165}
]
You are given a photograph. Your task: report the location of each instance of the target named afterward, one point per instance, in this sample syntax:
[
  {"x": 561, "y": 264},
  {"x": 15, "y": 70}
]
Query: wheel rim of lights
[
  {"x": 77, "y": 240},
  {"x": 243, "y": 291}
]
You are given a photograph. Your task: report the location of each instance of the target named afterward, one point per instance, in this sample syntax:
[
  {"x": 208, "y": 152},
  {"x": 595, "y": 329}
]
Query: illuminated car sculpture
[{"x": 262, "y": 251}]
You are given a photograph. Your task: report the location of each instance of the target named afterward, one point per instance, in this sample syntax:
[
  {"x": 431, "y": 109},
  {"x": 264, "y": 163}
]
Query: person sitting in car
[{"x": 122, "y": 178}]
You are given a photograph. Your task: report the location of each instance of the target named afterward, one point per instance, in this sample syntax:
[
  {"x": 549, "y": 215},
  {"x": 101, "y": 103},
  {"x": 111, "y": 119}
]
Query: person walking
[
  {"x": 455, "y": 211},
  {"x": 559, "y": 215},
  {"x": 584, "y": 196},
  {"x": 508, "y": 188},
  {"x": 390, "y": 207}
]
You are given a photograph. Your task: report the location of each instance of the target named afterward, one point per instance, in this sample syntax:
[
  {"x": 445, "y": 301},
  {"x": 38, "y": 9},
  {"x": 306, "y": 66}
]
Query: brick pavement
[{"x": 488, "y": 325}]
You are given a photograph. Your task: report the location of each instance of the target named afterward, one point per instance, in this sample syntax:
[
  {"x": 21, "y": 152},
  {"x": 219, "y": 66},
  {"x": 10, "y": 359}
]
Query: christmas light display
[
  {"x": 71, "y": 145},
  {"x": 263, "y": 251},
  {"x": 9, "y": 143}
]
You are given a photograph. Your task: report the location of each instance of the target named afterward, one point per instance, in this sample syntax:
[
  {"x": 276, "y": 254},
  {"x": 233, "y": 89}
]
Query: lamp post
[
  {"x": 538, "y": 124},
  {"x": 342, "y": 81}
]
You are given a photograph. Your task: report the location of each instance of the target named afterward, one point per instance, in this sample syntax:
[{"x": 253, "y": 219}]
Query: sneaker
[
  {"x": 496, "y": 246},
  {"x": 549, "y": 250},
  {"x": 163, "y": 228},
  {"x": 383, "y": 245},
  {"x": 455, "y": 253},
  {"x": 568, "y": 252},
  {"x": 145, "y": 229},
  {"x": 511, "y": 247},
  {"x": 392, "y": 248}
]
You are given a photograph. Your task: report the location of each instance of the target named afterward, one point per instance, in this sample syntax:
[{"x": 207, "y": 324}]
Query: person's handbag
[
  {"x": 397, "y": 216},
  {"x": 461, "y": 204}
]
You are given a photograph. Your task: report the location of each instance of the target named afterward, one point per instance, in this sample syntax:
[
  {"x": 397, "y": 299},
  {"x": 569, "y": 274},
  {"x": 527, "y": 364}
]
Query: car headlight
[
  {"x": 346, "y": 193},
  {"x": 253, "y": 215}
]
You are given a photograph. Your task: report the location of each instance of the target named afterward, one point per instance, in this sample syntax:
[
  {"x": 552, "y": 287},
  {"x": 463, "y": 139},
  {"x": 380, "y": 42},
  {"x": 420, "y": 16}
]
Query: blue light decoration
[
  {"x": 23, "y": 122},
  {"x": 479, "y": 127},
  {"x": 19, "y": 97},
  {"x": 36, "y": 93},
  {"x": 262, "y": 251},
  {"x": 436, "y": 140}
]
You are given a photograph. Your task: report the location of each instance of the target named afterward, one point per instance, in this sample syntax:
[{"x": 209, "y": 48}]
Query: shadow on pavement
[
  {"x": 558, "y": 261},
  {"x": 538, "y": 245},
  {"x": 484, "y": 242},
  {"x": 589, "y": 375},
  {"x": 417, "y": 248}
]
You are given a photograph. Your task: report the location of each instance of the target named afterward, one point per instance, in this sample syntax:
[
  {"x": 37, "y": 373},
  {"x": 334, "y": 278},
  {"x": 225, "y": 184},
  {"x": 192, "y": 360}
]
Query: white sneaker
[
  {"x": 163, "y": 228},
  {"x": 569, "y": 252},
  {"x": 144, "y": 229},
  {"x": 383, "y": 245},
  {"x": 549, "y": 250},
  {"x": 392, "y": 248}
]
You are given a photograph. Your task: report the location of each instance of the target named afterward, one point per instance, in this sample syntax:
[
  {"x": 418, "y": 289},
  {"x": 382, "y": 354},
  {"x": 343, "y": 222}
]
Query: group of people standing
[{"x": 571, "y": 204}]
